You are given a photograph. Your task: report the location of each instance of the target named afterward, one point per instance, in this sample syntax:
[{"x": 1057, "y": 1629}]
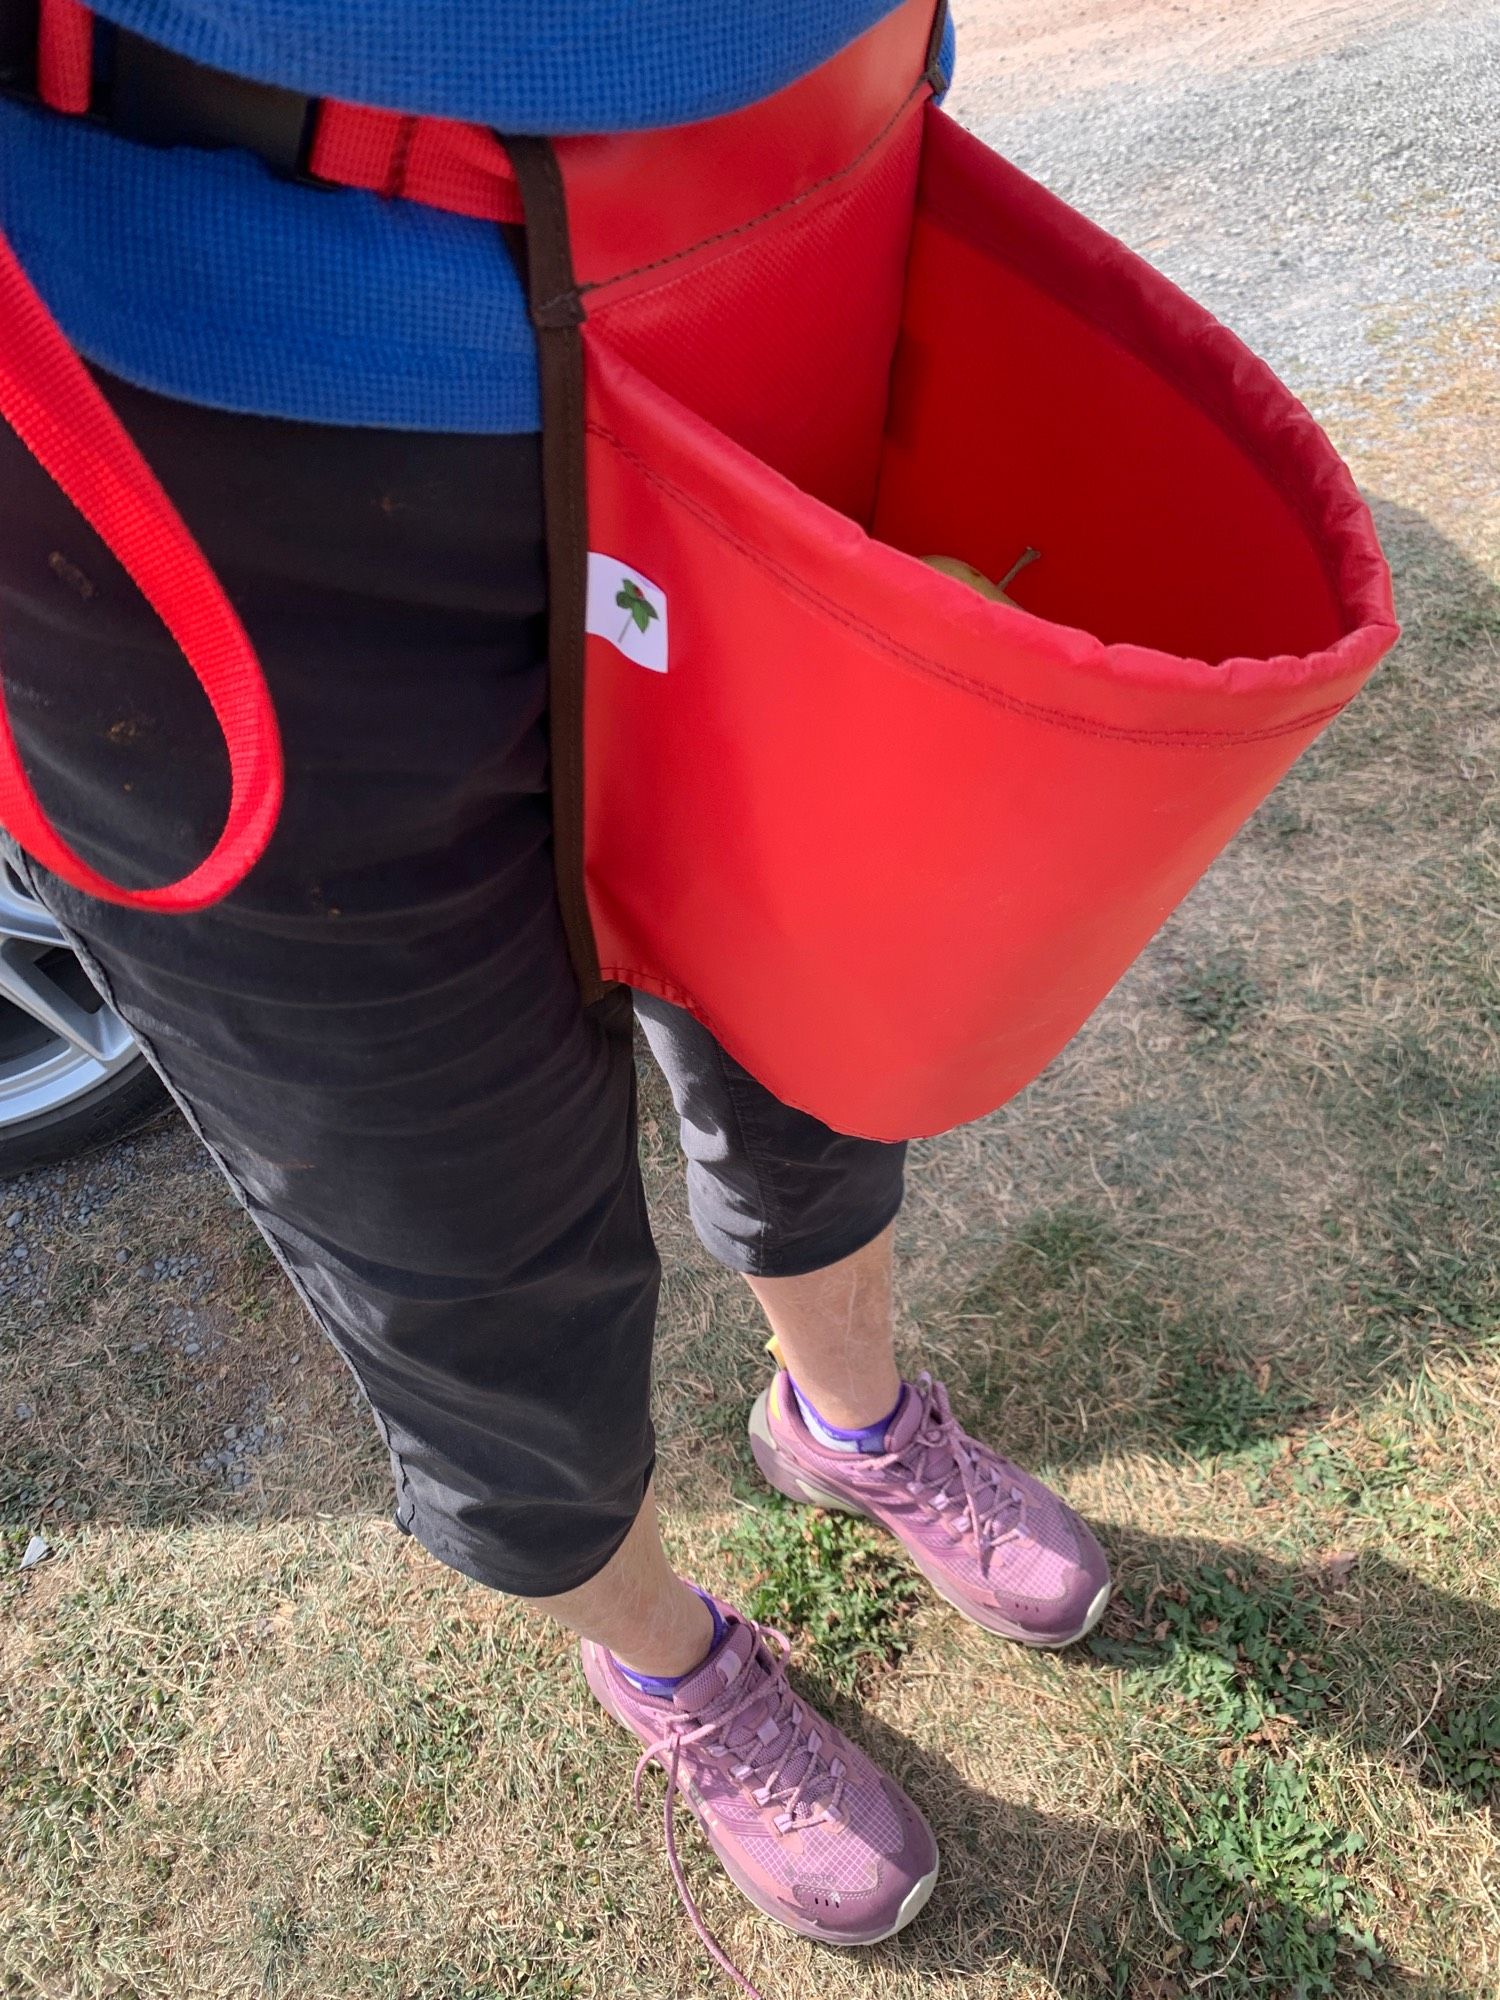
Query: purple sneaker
[
  {"x": 990, "y": 1539},
  {"x": 803, "y": 1822}
]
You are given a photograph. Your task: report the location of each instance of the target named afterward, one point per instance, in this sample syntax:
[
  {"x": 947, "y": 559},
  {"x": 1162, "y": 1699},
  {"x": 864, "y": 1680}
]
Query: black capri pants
[{"x": 378, "y": 1036}]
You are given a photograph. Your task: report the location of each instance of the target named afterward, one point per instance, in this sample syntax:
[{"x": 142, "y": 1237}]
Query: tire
[
  {"x": 121, "y": 1104},
  {"x": 71, "y": 1076}
]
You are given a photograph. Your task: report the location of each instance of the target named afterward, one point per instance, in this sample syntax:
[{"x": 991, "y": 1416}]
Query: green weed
[
  {"x": 1240, "y": 1655},
  {"x": 830, "y": 1581},
  {"x": 1379, "y": 1480},
  {"x": 1254, "y": 1883},
  {"x": 1220, "y": 1407},
  {"x": 1463, "y": 1748},
  {"x": 1219, "y": 997}
]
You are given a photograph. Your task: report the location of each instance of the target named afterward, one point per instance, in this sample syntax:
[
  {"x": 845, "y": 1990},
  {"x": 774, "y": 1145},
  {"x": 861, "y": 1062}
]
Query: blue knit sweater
[{"x": 204, "y": 277}]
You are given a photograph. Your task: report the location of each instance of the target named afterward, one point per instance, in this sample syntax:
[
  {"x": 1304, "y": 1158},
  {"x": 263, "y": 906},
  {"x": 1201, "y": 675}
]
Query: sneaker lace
[
  {"x": 779, "y": 1759},
  {"x": 944, "y": 1468}
]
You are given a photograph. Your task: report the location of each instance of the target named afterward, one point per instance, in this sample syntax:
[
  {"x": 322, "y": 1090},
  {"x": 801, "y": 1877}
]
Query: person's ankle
[{"x": 662, "y": 1668}]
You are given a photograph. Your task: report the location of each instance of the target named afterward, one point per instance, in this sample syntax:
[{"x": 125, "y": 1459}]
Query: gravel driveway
[{"x": 1314, "y": 174}]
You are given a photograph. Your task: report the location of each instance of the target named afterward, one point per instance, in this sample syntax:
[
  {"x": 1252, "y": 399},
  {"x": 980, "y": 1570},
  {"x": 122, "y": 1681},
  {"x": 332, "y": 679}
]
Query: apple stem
[{"x": 1026, "y": 556}]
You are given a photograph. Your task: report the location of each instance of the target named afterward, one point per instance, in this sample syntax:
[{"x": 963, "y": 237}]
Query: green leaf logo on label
[
  {"x": 616, "y": 586},
  {"x": 630, "y": 600}
]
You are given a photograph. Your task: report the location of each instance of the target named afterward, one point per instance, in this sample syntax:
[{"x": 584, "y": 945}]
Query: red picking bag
[{"x": 891, "y": 841}]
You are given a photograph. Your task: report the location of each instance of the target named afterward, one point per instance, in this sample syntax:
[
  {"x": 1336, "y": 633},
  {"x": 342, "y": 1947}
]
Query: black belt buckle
[
  {"x": 159, "y": 98},
  {"x": 20, "y": 29}
]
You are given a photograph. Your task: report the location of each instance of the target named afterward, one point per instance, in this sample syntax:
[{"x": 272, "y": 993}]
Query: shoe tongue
[
  {"x": 721, "y": 1677},
  {"x": 904, "y": 1426},
  {"x": 720, "y": 1671}
]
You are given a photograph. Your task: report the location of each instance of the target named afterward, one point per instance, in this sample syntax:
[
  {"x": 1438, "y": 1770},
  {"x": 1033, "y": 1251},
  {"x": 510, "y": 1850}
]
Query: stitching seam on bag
[
  {"x": 826, "y": 208},
  {"x": 1187, "y": 739},
  {"x": 768, "y": 215}
]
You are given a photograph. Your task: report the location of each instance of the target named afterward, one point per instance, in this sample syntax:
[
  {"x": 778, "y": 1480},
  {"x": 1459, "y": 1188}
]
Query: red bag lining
[
  {"x": 1207, "y": 739},
  {"x": 1071, "y": 298},
  {"x": 1124, "y": 292}
]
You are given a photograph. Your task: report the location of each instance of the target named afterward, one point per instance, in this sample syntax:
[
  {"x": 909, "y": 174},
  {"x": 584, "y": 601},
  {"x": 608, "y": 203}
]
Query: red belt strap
[
  {"x": 435, "y": 161},
  {"x": 50, "y": 401},
  {"x": 439, "y": 162},
  {"x": 64, "y": 55}
]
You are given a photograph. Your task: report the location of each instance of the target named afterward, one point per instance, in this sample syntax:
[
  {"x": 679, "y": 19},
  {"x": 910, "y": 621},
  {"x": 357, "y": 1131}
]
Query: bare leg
[
  {"x": 835, "y": 1334},
  {"x": 834, "y": 1330},
  {"x": 637, "y": 1606}
]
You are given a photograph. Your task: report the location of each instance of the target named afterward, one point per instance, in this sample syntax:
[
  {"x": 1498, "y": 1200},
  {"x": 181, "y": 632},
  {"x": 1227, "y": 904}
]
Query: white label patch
[{"x": 629, "y": 610}]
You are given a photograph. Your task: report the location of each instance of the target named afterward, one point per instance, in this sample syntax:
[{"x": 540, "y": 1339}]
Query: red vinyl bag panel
[
  {"x": 891, "y": 841},
  {"x": 762, "y": 282}
]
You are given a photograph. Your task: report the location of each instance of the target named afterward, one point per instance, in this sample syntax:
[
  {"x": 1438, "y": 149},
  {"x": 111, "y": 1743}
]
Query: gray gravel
[
  {"x": 240, "y": 1444},
  {"x": 57, "y": 1203},
  {"x": 1329, "y": 210}
]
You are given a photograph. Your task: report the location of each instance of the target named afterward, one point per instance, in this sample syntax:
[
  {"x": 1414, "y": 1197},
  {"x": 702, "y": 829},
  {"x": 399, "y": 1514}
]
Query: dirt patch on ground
[{"x": 1082, "y": 45}]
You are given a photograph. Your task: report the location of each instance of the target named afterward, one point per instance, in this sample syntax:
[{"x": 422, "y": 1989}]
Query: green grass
[
  {"x": 393, "y": 1785},
  {"x": 119, "y": 1702},
  {"x": 839, "y": 1585}
]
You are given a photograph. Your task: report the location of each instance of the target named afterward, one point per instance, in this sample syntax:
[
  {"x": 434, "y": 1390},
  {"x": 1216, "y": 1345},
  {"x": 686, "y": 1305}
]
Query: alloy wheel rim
[{"x": 58, "y": 1040}]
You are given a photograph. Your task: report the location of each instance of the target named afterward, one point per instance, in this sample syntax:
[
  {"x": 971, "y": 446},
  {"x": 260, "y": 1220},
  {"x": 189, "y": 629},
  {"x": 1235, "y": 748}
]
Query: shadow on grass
[
  {"x": 1240, "y": 1648},
  {"x": 1104, "y": 1913},
  {"x": 1162, "y": 1345}
]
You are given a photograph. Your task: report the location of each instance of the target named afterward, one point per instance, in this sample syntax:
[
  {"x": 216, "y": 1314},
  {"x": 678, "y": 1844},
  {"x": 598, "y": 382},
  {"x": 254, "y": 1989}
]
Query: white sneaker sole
[{"x": 795, "y": 1485}]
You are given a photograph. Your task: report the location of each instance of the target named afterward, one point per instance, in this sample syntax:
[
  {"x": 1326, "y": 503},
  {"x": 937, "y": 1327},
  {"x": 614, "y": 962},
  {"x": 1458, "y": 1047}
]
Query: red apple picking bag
[{"x": 890, "y": 840}]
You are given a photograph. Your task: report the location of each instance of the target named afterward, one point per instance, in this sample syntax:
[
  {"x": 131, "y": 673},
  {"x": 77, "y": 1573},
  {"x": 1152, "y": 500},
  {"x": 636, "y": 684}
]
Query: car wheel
[{"x": 71, "y": 1075}]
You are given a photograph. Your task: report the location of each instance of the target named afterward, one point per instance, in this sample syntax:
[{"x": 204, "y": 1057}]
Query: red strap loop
[
  {"x": 52, "y": 404},
  {"x": 65, "y": 55}
]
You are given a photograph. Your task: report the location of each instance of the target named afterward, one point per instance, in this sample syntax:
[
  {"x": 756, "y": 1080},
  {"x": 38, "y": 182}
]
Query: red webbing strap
[
  {"x": 51, "y": 403},
  {"x": 64, "y": 55},
  {"x": 438, "y": 162}
]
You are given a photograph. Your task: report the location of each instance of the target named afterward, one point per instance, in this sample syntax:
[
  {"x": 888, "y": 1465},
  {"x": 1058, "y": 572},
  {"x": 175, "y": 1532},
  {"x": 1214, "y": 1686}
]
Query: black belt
[{"x": 157, "y": 98}]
